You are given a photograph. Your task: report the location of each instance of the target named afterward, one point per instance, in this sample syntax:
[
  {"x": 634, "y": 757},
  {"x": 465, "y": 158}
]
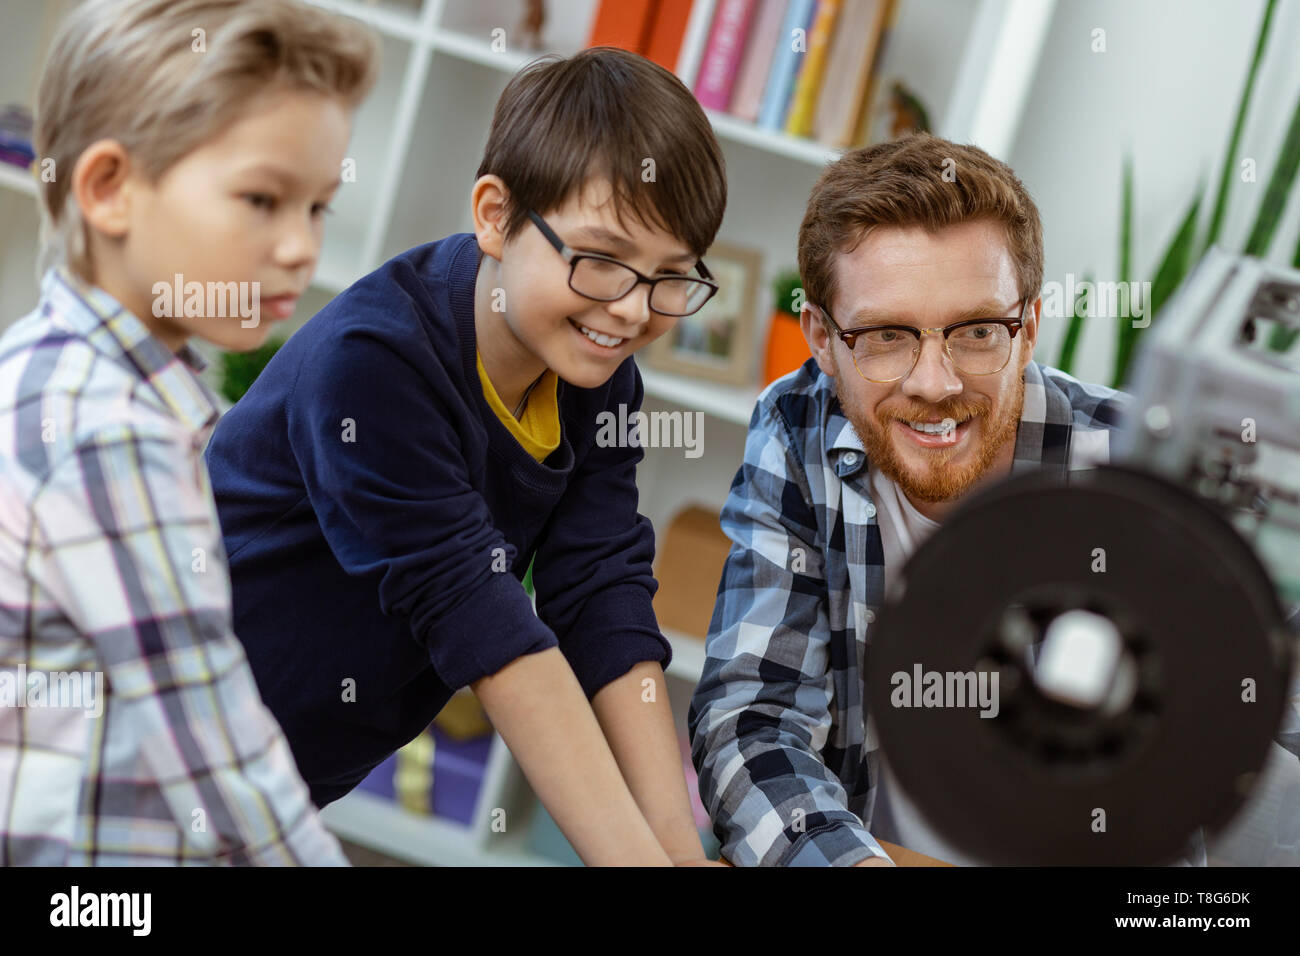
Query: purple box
[{"x": 458, "y": 769}]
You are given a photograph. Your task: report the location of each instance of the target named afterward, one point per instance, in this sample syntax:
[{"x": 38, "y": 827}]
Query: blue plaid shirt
[{"x": 778, "y": 722}]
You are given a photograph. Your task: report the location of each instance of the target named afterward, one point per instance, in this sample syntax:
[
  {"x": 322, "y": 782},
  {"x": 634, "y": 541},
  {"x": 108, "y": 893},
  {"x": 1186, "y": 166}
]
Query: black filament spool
[{"x": 1197, "y": 614}]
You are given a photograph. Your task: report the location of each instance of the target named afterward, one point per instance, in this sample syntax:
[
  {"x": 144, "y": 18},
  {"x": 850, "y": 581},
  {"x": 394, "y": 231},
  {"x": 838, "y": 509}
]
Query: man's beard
[{"x": 939, "y": 480}]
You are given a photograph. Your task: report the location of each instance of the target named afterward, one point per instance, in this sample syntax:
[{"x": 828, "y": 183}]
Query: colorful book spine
[
  {"x": 751, "y": 78},
  {"x": 694, "y": 40},
  {"x": 865, "y": 133},
  {"x": 849, "y": 67},
  {"x": 785, "y": 64},
  {"x": 666, "y": 31},
  {"x": 622, "y": 23},
  {"x": 803, "y": 102},
  {"x": 723, "y": 53}
]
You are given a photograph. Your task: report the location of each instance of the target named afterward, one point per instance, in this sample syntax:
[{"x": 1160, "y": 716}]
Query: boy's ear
[
  {"x": 99, "y": 183},
  {"x": 488, "y": 201}
]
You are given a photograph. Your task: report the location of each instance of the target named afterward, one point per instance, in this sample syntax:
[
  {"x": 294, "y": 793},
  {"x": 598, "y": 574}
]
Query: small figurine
[
  {"x": 906, "y": 112},
  {"x": 530, "y": 27}
]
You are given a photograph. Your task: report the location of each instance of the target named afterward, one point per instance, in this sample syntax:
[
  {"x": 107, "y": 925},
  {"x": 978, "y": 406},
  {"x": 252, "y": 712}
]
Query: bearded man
[{"x": 921, "y": 262}]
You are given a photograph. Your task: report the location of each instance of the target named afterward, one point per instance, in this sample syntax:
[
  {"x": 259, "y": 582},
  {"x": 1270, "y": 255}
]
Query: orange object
[
  {"x": 787, "y": 349},
  {"x": 689, "y": 568},
  {"x": 623, "y": 23},
  {"x": 668, "y": 26}
]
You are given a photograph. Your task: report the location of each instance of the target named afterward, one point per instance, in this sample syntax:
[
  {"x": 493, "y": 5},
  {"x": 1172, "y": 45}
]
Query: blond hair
[
  {"x": 902, "y": 183},
  {"x": 162, "y": 77}
]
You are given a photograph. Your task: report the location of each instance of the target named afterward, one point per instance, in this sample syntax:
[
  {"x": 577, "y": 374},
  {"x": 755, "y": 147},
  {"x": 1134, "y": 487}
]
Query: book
[
  {"x": 667, "y": 28},
  {"x": 866, "y": 131},
  {"x": 694, "y": 40},
  {"x": 756, "y": 62},
  {"x": 786, "y": 60},
  {"x": 722, "y": 54},
  {"x": 622, "y": 23},
  {"x": 808, "y": 84},
  {"x": 852, "y": 59}
]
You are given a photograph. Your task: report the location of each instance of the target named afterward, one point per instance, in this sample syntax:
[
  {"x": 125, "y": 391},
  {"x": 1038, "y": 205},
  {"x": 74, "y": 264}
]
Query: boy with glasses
[{"x": 432, "y": 433}]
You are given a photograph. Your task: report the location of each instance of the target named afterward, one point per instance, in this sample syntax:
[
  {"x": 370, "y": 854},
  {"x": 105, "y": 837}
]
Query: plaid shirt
[
  {"x": 112, "y": 568},
  {"x": 777, "y": 721}
]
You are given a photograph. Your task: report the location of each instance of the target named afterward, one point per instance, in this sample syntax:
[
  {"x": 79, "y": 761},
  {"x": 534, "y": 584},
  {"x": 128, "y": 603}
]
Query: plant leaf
[
  {"x": 1126, "y": 332},
  {"x": 1230, "y": 157},
  {"x": 1177, "y": 259},
  {"x": 1073, "y": 331},
  {"x": 1279, "y": 186}
]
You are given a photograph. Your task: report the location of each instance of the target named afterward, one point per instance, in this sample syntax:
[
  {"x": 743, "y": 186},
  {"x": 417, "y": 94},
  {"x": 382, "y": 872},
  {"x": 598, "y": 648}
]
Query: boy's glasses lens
[
  {"x": 607, "y": 281},
  {"x": 682, "y": 296}
]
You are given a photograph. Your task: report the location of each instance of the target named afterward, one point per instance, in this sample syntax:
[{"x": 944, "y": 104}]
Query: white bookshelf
[
  {"x": 417, "y": 141},
  {"x": 19, "y": 180}
]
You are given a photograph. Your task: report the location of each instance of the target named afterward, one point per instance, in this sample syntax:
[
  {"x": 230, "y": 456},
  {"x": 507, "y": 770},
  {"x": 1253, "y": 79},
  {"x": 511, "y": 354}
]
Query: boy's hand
[
  {"x": 537, "y": 706},
  {"x": 702, "y": 861},
  {"x": 643, "y": 739}
]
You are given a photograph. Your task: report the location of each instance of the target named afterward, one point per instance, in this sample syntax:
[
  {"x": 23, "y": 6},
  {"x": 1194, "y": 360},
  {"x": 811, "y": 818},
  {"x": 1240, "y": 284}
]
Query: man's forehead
[{"x": 907, "y": 269}]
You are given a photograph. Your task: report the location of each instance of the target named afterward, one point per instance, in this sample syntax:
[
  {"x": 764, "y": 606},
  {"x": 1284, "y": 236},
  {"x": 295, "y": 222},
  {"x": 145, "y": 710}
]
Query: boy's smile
[{"x": 526, "y": 316}]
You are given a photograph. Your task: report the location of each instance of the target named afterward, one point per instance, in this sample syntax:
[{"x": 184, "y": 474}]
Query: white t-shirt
[{"x": 895, "y": 817}]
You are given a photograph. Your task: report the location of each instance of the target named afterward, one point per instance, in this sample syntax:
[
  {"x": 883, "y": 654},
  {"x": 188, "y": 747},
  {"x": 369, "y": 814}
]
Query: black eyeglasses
[
  {"x": 605, "y": 279},
  {"x": 887, "y": 353}
]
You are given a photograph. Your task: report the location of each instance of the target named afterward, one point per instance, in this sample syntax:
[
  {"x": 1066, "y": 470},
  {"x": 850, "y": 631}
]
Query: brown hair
[
  {"x": 606, "y": 112},
  {"x": 164, "y": 76},
  {"x": 902, "y": 183}
]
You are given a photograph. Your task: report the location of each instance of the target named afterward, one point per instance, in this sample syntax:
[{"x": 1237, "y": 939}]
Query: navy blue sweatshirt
[{"x": 370, "y": 499}]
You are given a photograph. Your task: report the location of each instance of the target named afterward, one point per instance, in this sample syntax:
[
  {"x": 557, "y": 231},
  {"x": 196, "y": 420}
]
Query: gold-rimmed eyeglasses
[{"x": 888, "y": 353}]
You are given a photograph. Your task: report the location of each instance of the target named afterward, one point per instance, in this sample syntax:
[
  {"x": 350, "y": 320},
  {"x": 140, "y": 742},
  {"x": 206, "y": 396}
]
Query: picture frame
[{"x": 718, "y": 342}]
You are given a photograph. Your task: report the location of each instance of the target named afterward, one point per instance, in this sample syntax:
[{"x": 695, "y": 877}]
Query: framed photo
[{"x": 717, "y": 342}]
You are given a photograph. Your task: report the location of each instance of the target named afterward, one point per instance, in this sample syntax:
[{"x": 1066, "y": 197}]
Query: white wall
[{"x": 1165, "y": 91}]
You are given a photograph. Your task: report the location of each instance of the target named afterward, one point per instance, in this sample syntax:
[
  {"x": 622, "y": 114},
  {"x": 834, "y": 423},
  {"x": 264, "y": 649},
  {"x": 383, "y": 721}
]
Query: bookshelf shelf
[
  {"x": 688, "y": 656},
  {"x": 728, "y": 403},
  {"x": 394, "y": 20},
  {"x": 19, "y": 180},
  {"x": 383, "y": 825},
  {"x": 476, "y": 50},
  {"x": 792, "y": 147}
]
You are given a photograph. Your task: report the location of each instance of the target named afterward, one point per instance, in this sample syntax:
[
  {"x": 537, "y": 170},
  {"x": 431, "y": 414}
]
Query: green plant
[
  {"x": 1184, "y": 246},
  {"x": 1075, "y": 328},
  {"x": 784, "y": 289},
  {"x": 240, "y": 369}
]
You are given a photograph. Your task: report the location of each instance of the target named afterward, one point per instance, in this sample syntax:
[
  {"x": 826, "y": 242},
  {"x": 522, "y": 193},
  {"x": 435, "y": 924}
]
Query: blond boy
[{"x": 192, "y": 141}]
